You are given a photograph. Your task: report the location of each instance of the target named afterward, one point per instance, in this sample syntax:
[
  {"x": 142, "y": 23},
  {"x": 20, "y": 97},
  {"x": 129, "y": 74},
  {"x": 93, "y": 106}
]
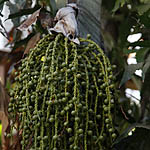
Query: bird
[{"x": 66, "y": 22}]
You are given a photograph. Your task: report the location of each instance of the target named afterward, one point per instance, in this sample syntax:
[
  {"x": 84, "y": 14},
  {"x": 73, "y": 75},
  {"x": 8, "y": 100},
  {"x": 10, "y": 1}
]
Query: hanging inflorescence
[{"x": 64, "y": 97}]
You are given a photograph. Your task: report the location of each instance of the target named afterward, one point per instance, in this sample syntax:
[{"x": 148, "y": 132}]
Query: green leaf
[
  {"x": 2, "y": 1},
  {"x": 53, "y": 6},
  {"x": 141, "y": 9},
  {"x": 59, "y": 4},
  {"x": 130, "y": 128},
  {"x": 141, "y": 54},
  {"x": 118, "y": 4},
  {"x": 23, "y": 41},
  {"x": 129, "y": 71},
  {"x": 141, "y": 43},
  {"x": 128, "y": 51},
  {"x": 125, "y": 30},
  {"x": 146, "y": 67},
  {"x": 144, "y": 19}
]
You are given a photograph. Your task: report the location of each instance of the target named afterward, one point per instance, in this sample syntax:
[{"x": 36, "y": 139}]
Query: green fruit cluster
[{"x": 64, "y": 97}]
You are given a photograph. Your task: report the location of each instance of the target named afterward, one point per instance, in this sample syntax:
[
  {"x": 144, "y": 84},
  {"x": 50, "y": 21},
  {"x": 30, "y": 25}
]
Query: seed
[
  {"x": 107, "y": 120},
  {"x": 111, "y": 130},
  {"x": 114, "y": 135},
  {"x": 38, "y": 138},
  {"x": 101, "y": 138},
  {"x": 90, "y": 111},
  {"x": 106, "y": 109},
  {"x": 78, "y": 75},
  {"x": 83, "y": 83},
  {"x": 64, "y": 99},
  {"x": 55, "y": 73},
  {"x": 90, "y": 91},
  {"x": 109, "y": 69},
  {"x": 71, "y": 139},
  {"x": 69, "y": 130},
  {"x": 63, "y": 64},
  {"x": 45, "y": 138},
  {"x": 66, "y": 108},
  {"x": 70, "y": 105},
  {"x": 34, "y": 117},
  {"x": 88, "y": 36},
  {"x": 65, "y": 123},
  {"x": 62, "y": 112},
  {"x": 46, "y": 67},
  {"x": 77, "y": 119},
  {"x": 106, "y": 101},
  {"x": 51, "y": 120},
  {"x": 75, "y": 147},
  {"x": 94, "y": 138},
  {"x": 67, "y": 94},
  {"x": 73, "y": 69},
  {"x": 55, "y": 137},
  {"x": 73, "y": 112},
  {"x": 69, "y": 70},
  {"x": 80, "y": 131},
  {"x": 30, "y": 83},
  {"x": 98, "y": 116},
  {"x": 79, "y": 105},
  {"x": 90, "y": 132}
]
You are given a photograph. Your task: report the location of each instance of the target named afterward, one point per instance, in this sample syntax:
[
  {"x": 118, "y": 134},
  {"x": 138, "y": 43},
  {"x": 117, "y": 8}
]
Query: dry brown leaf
[
  {"x": 32, "y": 42},
  {"x": 2, "y": 74},
  {"x": 131, "y": 85},
  {"x": 30, "y": 20},
  {"x": 7, "y": 60},
  {"x": 46, "y": 20},
  {"x": 66, "y": 22},
  {"x": 4, "y": 99}
]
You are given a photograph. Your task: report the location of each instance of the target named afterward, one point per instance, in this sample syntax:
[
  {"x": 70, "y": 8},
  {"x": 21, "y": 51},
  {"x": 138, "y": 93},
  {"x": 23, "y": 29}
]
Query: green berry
[
  {"x": 80, "y": 131},
  {"x": 69, "y": 130},
  {"x": 55, "y": 137}
]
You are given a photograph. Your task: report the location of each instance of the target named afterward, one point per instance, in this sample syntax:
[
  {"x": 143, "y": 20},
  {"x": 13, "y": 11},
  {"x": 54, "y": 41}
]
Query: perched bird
[{"x": 66, "y": 22}]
